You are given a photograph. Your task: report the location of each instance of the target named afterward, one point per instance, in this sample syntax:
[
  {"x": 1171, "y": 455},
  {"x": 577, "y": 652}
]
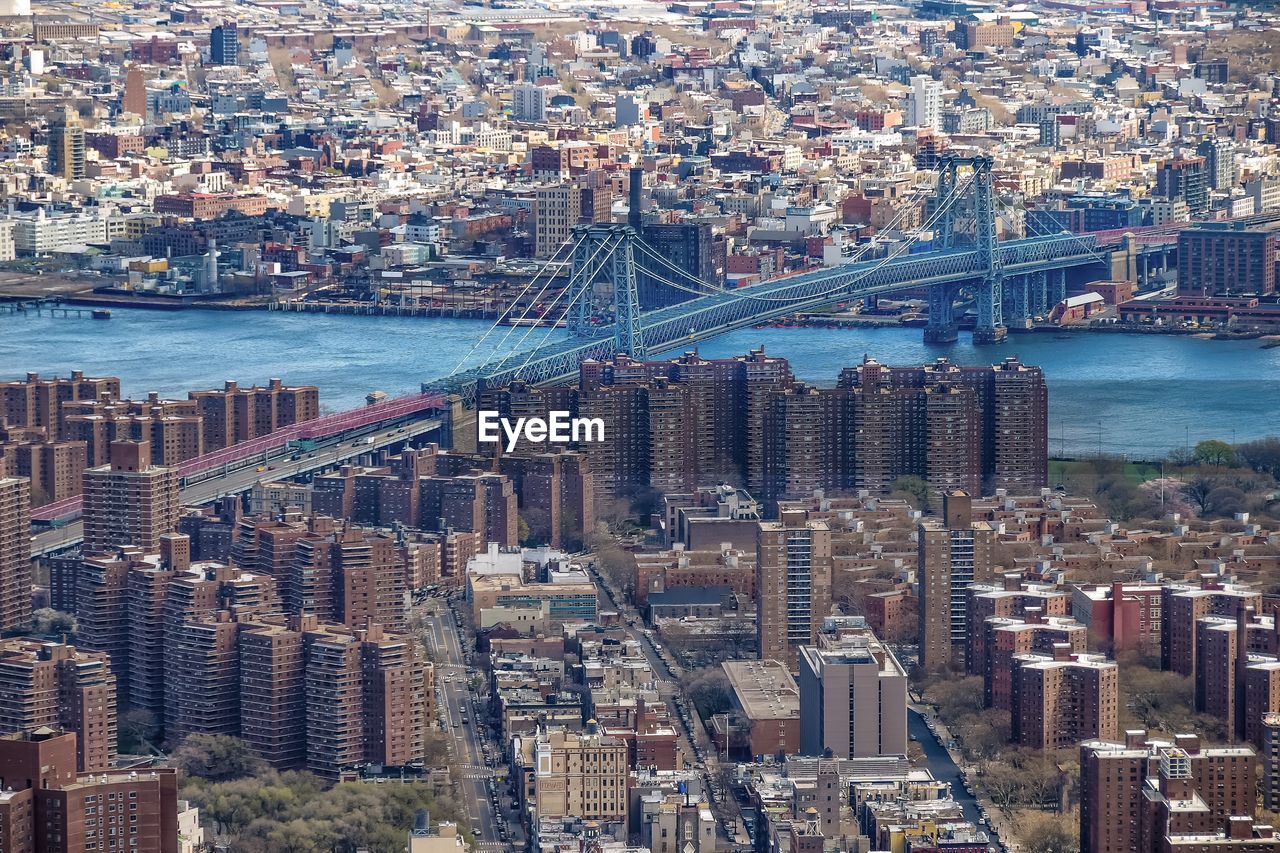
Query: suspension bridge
[
  {"x": 1011, "y": 281},
  {"x": 956, "y": 250}
]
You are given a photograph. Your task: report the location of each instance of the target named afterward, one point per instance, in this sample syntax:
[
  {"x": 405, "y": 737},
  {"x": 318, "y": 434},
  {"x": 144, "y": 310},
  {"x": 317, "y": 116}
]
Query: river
[{"x": 1138, "y": 395}]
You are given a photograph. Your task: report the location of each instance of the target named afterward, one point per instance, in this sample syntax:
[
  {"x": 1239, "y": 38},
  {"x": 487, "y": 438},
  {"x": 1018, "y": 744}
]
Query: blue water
[{"x": 1140, "y": 395}]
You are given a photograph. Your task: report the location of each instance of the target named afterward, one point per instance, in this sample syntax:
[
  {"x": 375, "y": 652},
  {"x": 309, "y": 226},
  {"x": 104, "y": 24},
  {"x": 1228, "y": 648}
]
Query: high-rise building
[
  {"x": 1183, "y": 607},
  {"x": 800, "y": 447},
  {"x": 1145, "y": 795},
  {"x": 273, "y": 703},
  {"x": 1270, "y": 756},
  {"x": 66, "y": 146},
  {"x": 954, "y": 551},
  {"x": 1004, "y": 638},
  {"x": 15, "y": 552},
  {"x": 202, "y": 678},
  {"x": 365, "y": 700},
  {"x": 1020, "y": 409},
  {"x": 1010, "y": 598},
  {"x": 853, "y": 697},
  {"x": 55, "y": 685},
  {"x": 793, "y": 584},
  {"x": 1228, "y": 259},
  {"x": 559, "y": 207},
  {"x": 691, "y": 246},
  {"x": 1184, "y": 178},
  {"x": 582, "y": 774},
  {"x": 690, "y": 422},
  {"x": 46, "y": 806},
  {"x": 1219, "y": 159},
  {"x": 36, "y": 402},
  {"x": 1061, "y": 700},
  {"x": 224, "y": 44},
  {"x": 529, "y": 102},
  {"x": 130, "y": 501},
  {"x": 926, "y": 103},
  {"x": 233, "y": 414},
  {"x": 135, "y": 92},
  {"x": 53, "y": 467}
]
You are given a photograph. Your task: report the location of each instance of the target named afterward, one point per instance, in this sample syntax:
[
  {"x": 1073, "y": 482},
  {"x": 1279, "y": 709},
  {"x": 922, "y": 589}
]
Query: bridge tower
[
  {"x": 605, "y": 255},
  {"x": 989, "y": 288}
]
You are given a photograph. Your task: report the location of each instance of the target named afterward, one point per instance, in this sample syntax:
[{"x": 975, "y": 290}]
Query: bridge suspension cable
[
  {"x": 1029, "y": 222},
  {"x": 581, "y": 292},
  {"x": 514, "y": 352},
  {"x": 892, "y": 256},
  {"x": 551, "y": 261}
]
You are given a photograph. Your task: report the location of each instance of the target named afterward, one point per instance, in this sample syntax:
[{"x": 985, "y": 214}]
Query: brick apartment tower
[
  {"x": 45, "y": 806},
  {"x": 55, "y": 685},
  {"x": 793, "y": 580},
  {"x": 1144, "y": 795},
  {"x": 130, "y": 501},
  {"x": 954, "y": 551},
  {"x": 15, "y": 552},
  {"x": 1061, "y": 700}
]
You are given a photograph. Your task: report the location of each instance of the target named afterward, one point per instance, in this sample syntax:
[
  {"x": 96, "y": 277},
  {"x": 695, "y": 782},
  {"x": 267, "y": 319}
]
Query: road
[
  {"x": 282, "y": 467},
  {"x": 944, "y": 769},
  {"x": 668, "y": 671},
  {"x": 471, "y": 768}
]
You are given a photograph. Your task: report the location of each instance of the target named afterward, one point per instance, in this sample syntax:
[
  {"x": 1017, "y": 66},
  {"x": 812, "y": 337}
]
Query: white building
[
  {"x": 190, "y": 832},
  {"x": 529, "y": 103},
  {"x": 39, "y": 233},
  {"x": 926, "y": 103},
  {"x": 7, "y": 249}
]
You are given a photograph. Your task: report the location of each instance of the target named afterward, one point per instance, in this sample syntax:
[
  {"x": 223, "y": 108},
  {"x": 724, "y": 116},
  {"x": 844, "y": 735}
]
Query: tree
[
  {"x": 1197, "y": 490},
  {"x": 1225, "y": 500},
  {"x": 1262, "y": 456},
  {"x": 216, "y": 758},
  {"x": 956, "y": 697},
  {"x": 709, "y": 691},
  {"x": 298, "y": 812},
  {"x": 1050, "y": 833},
  {"x": 1214, "y": 452},
  {"x": 1002, "y": 783},
  {"x": 536, "y": 529},
  {"x": 137, "y": 730},
  {"x": 1158, "y": 701},
  {"x": 912, "y": 489},
  {"x": 49, "y": 622}
]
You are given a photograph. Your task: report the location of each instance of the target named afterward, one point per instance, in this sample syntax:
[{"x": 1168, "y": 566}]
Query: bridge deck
[{"x": 706, "y": 316}]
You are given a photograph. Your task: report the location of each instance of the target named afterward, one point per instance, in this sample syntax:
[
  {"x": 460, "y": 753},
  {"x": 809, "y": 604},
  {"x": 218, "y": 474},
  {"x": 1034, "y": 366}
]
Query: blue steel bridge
[{"x": 1011, "y": 282}]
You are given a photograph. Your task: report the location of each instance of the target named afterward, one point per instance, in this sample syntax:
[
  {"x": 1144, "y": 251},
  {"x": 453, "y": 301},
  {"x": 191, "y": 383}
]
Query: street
[
  {"x": 456, "y": 703},
  {"x": 944, "y": 769},
  {"x": 695, "y": 743}
]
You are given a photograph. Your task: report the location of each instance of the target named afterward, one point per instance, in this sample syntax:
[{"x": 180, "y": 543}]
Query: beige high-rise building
[
  {"x": 135, "y": 92},
  {"x": 66, "y": 146},
  {"x": 582, "y": 774},
  {"x": 793, "y": 585},
  {"x": 15, "y": 552},
  {"x": 853, "y": 698},
  {"x": 130, "y": 501},
  {"x": 954, "y": 552}
]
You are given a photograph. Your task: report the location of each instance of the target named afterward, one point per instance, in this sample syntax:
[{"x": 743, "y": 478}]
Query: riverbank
[{"x": 163, "y": 303}]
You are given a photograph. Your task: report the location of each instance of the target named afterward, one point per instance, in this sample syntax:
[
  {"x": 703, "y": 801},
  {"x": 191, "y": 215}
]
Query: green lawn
[{"x": 1136, "y": 472}]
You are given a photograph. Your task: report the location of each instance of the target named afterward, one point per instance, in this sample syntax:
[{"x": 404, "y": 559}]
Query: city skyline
[{"x": 730, "y": 426}]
